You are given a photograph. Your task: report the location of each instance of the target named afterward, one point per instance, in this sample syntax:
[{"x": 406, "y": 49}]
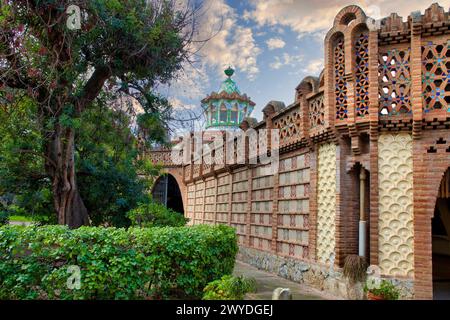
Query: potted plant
[{"x": 385, "y": 291}]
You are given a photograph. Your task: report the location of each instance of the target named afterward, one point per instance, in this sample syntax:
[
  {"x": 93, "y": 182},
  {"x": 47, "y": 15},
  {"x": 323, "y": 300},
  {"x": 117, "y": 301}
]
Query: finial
[{"x": 229, "y": 71}]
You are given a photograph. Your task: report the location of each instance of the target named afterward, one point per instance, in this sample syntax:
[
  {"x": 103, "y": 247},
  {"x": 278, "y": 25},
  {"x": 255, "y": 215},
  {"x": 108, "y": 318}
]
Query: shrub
[
  {"x": 138, "y": 263},
  {"x": 229, "y": 288},
  {"x": 386, "y": 290},
  {"x": 4, "y": 217},
  {"x": 153, "y": 214}
]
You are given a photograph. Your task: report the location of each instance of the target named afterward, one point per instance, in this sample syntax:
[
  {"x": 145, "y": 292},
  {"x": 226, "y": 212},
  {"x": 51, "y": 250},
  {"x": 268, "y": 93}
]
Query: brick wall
[{"x": 407, "y": 95}]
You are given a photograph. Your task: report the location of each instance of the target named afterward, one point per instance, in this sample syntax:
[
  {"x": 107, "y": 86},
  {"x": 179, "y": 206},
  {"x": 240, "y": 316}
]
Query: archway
[
  {"x": 167, "y": 192},
  {"x": 441, "y": 241}
]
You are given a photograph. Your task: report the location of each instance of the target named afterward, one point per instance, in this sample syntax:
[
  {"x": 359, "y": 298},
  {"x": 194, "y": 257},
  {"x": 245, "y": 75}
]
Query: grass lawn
[{"x": 20, "y": 218}]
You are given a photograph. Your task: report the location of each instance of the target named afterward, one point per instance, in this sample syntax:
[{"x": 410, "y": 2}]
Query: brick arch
[
  {"x": 177, "y": 174},
  {"x": 308, "y": 85},
  {"x": 429, "y": 169},
  {"x": 348, "y": 14}
]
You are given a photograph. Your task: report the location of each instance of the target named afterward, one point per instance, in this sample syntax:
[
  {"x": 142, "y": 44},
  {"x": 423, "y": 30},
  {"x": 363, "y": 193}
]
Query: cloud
[
  {"x": 229, "y": 42},
  {"x": 316, "y": 17},
  {"x": 275, "y": 43},
  {"x": 177, "y": 104},
  {"x": 286, "y": 60},
  {"x": 314, "y": 67}
]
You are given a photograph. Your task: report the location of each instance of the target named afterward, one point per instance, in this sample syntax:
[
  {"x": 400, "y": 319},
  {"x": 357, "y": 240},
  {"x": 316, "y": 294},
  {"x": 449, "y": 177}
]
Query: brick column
[
  {"x": 230, "y": 197},
  {"x": 249, "y": 204},
  {"x": 313, "y": 178},
  {"x": 215, "y": 199},
  {"x": 204, "y": 198},
  {"x": 275, "y": 197},
  {"x": 373, "y": 118},
  {"x": 416, "y": 74}
]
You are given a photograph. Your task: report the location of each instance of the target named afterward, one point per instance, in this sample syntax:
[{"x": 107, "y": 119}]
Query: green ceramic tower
[{"x": 227, "y": 108}]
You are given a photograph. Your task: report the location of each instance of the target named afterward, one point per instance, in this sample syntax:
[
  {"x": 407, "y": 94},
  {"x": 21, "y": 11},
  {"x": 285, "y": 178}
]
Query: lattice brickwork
[
  {"x": 362, "y": 75},
  {"x": 396, "y": 230},
  {"x": 262, "y": 205},
  {"x": 293, "y": 207},
  {"x": 239, "y": 203},
  {"x": 326, "y": 203},
  {"x": 222, "y": 201},
  {"x": 316, "y": 112},
  {"x": 394, "y": 82},
  {"x": 436, "y": 76},
  {"x": 340, "y": 82},
  {"x": 290, "y": 127}
]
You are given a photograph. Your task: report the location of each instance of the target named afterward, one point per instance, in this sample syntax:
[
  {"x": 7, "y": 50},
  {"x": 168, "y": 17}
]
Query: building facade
[{"x": 364, "y": 162}]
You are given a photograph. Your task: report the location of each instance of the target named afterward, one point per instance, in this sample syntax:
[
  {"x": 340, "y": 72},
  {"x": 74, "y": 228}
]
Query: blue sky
[{"x": 272, "y": 44}]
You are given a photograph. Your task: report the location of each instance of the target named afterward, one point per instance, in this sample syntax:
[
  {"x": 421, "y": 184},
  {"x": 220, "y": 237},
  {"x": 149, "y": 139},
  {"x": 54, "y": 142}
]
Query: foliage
[
  {"x": 138, "y": 263},
  {"x": 108, "y": 166},
  {"x": 386, "y": 289},
  {"x": 21, "y": 218},
  {"x": 152, "y": 214},
  {"x": 355, "y": 268},
  {"x": 229, "y": 288},
  {"x": 4, "y": 217},
  {"x": 121, "y": 50},
  {"x": 24, "y": 187}
]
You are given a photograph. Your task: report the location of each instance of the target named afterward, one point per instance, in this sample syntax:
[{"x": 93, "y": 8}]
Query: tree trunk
[{"x": 60, "y": 165}]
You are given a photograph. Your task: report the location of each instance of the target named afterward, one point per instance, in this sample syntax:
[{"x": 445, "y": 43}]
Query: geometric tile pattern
[
  {"x": 436, "y": 76},
  {"x": 316, "y": 112},
  {"x": 394, "y": 82},
  {"x": 340, "y": 82},
  {"x": 396, "y": 232},
  {"x": 326, "y": 202},
  {"x": 362, "y": 75},
  {"x": 289, "y": 126}
]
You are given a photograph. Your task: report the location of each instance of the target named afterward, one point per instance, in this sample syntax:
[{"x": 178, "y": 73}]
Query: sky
[{"x": 272, "y": 45}]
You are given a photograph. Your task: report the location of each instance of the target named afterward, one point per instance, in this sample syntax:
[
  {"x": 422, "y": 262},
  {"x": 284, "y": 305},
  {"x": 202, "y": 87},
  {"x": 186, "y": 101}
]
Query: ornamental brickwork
[{"x": 380, "y": 109}]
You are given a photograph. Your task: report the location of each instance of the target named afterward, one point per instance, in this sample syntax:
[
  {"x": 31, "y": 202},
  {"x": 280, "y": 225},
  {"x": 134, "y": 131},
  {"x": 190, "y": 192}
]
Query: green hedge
[
  {"x": 229, "y": 288},
  {"x": 137, "y": 263},
  {"x": 153, "y": 214}
]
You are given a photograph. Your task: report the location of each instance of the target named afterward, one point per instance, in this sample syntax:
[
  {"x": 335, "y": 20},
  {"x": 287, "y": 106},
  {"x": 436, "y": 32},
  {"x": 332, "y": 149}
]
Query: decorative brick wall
[
  {"x": 381, "y": 104},
  {"x": 262, "y": 206},
  {"x": 293, "y": 207},
  {"x": 210, "y": 201},
  {"x": 396, "y": 229},
  {"x": 190, "y": 208},
  {"x": 239, "y": 203},
  {"x": 326, "y": 203},
  {"x": 222, "y": 199}
]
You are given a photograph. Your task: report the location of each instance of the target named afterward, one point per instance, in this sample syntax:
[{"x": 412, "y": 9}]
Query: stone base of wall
[{"x": 317, "y": 276}]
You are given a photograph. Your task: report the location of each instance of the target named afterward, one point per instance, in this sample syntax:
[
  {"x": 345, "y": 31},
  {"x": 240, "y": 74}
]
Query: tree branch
[
  {"x": 93, "y": 87},
  {"x": 37, "y": 154}
]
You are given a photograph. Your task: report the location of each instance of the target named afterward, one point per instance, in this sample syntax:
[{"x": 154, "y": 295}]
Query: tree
[
  {"x": 123, "y": 46},
  {"x": 112, "y": 179}
]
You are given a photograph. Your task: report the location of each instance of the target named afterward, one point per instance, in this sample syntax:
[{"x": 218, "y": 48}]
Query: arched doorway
[
  {"x": 167, "y": 192},
  {"x": 441, "y": 241}
]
